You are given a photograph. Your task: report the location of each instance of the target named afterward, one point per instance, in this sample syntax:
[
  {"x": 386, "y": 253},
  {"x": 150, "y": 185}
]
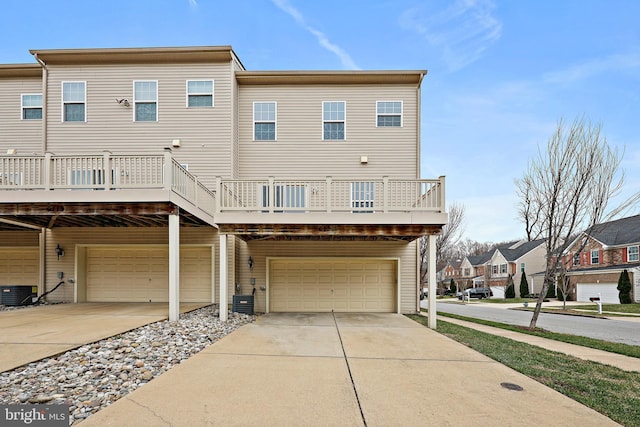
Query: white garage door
[
  {"x": 608, "y": 292},
  {"x": 141, "y": 274},
  {"x": 19, "y": 266},
  {"x": 341, "y": 285}
]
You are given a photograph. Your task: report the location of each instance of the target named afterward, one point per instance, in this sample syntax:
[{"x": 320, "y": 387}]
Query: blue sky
[{"x": 501, "y": 72}]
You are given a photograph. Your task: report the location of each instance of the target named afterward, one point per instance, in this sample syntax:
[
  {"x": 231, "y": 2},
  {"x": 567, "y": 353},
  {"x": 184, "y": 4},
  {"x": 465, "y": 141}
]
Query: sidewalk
[{"x": 625, "y": 363}]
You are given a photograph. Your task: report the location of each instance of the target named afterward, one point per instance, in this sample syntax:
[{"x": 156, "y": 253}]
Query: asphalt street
[{"x": 627, "y": 332}]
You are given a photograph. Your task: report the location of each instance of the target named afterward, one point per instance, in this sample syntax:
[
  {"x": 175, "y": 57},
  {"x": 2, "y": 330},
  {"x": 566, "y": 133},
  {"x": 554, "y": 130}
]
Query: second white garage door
[
  {"x": 338, "y": 284},
  {"x": 141, "y": 274},
  {"x": 608, "y": 292}
]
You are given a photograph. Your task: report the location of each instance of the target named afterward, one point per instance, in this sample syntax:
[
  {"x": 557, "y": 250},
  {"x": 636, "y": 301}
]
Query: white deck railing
[
  {"x": 119, "y": 172},
  {"x": 330, "y": 195}
]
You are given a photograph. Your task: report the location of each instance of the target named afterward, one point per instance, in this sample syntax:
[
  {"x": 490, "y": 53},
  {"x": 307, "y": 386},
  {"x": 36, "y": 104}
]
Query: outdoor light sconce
[
  {"x": 123, "y": 101},
  {"x": 59, "y": 251},
  {"x": 250, "y": 262}
]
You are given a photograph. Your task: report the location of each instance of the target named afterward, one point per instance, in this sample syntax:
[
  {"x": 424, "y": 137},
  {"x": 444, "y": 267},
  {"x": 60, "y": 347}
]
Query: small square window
[
  {"x": 632, "y": 254},
  {"x": 389, "y": 114},
  {"x": 32, "y": 106},
  {"x": 199, "y": 93}
]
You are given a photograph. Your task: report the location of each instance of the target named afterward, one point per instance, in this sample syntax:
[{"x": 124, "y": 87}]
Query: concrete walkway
[
  {"x": 613, "y": 359},
  {"x": 347, "y": 370},
  {"x": 33, "y": 333}
]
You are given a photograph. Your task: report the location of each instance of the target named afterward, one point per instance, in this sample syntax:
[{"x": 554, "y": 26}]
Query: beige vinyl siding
[
  {"x": 23, "y": 135},
  {"x": 205, "y": 133},
  {"x": 300, "y": 151},
  {"x": 260, "y": 250},
  {"x": 19, "y": 238},
  {"x": 19, "y": 265},
  {"x": 68, "y": 238}
]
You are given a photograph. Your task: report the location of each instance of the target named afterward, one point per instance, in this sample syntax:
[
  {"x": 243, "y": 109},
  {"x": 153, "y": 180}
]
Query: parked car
[{"x": 479, "y": 293}]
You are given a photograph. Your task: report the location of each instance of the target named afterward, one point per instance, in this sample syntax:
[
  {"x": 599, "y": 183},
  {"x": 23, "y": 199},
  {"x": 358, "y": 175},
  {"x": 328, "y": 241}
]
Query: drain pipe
[{"x": 45, "y": 85}]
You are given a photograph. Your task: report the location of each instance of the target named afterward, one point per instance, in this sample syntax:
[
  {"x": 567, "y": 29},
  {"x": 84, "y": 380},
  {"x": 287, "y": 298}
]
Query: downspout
[
  {"x": 418, "y": 121},
  {"x": 45, "y": 85}
]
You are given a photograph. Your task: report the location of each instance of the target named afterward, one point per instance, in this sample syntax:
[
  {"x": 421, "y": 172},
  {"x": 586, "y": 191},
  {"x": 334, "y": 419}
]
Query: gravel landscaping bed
[{"x": 93, "y": 376}]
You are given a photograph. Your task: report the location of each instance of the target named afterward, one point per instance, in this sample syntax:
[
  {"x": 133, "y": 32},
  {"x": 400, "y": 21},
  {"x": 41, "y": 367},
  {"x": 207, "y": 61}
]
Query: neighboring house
[
  {"x": 515, "y": 259},
  {"x": 451, "y": 271},
  {"x": 493, "y": 268},
  {"x": 175, "y": 175},
  {"x": 597, "y": 256}
]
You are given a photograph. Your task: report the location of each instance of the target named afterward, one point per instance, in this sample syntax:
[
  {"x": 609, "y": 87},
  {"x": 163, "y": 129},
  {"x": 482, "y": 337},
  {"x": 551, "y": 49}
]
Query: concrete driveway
[
  {"x": 347, "y": 370},
  {"x": 33, "y": 333}
]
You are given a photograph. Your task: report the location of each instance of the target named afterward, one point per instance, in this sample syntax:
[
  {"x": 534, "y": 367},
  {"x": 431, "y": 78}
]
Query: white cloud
[
  {"x": 462, "y": 30},
  {"x": 323, "y": 40},
  {"x": 193, "y": 4}
]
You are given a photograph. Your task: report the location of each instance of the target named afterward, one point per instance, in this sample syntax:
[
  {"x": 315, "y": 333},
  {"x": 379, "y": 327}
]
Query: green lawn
[
  {"x": 608, "y": 390},
  {"x": 613, "y": 347},
  {"x": 616, "y": 308}
]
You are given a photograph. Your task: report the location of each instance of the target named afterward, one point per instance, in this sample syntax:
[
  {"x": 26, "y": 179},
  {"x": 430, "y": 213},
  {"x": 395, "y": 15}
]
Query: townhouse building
[
  {"x": 595, "y": 259},
  {"x": 176, "y": 175}
]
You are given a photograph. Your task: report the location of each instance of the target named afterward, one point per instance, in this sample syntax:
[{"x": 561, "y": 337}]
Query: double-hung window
[
  {"x": 595, "y": 256},
  {"x": 503, "y": 268},
  {"x": 199, "y": 93},
  {"x": 632, "y": 253},
  {"x": 362, "y": 196},
  {"x": 576, "y": 258},
  {"x": 389, "y": 114},
  {"x": 31, "y": 105},
  {"x": 264, "y": 121},
  {"x": 145, "y": 99},
  {"x": 333, "y": 120},
  {"x": 74, "y": 100}
]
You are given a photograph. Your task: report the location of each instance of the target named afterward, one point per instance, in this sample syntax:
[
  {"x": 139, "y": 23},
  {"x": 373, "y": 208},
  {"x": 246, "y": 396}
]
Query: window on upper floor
[
  {"x": 595, "y": 256},
  {"x": 503, "y": 268},
  {"x": 264, "y": 121},
  {"x": 74, "y": 100},
  {"x": 199, "y": 93},
  {"x": 522, "y": 266},
  {"x": 632, "y": 253},
  {"x": 145, "y": 100},
  {"x": 576, "y": 258},
  {"x": 467, "y": 272},
  {"x": 31, "y": 104},
  {"x": 494, "y": 269},
  {"x": 389, "y": 114},
  {"x": 333, "y": 120}
]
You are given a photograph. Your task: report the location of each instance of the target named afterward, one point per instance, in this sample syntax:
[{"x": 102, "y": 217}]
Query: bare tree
[
  {"x": 446, "y": 241},
  {"x": 567, "y": 188}
]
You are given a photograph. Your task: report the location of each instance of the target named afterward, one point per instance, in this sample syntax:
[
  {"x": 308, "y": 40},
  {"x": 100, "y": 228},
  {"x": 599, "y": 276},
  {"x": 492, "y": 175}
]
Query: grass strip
[
  {"x": 606, "y": 389},
  {"x": 613, "y": 347}
]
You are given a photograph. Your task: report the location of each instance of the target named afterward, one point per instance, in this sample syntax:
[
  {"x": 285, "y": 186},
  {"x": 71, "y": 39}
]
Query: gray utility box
[
  {"x": 16, "y": 295},
  {"x": 242, "y": 304}
]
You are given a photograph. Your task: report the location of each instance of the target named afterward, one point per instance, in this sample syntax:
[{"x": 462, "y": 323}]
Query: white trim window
[
  {"x": 595, "y": 256},
  {"x": 522, "y": 267},
  {"x": 333, "y": 120},
  {"x": 389, "y": 114},
  {"x": 31, "y": 106},
  {"x": 265, "y": 115},
  {"x": 632, "y": 253},
  {"x": 363, "y": 196},
  {"x": 503, "y": 268},
  {"x": 145, "y": 101},
  {"x": 74, "y": 101},
  {"x": 199, "y": 93}
]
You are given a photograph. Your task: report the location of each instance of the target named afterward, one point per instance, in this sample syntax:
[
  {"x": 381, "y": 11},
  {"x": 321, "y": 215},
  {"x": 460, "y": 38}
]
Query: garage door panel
[
  {"x": 141, "y": 274},
  {"x": 608, "y": 292},
  {"x": 332, "y": 284}
]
